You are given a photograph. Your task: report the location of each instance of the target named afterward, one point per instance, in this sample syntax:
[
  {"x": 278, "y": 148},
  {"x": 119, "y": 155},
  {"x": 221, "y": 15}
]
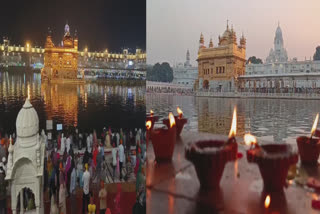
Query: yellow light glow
[
  {"x": 172, "y": 120},
  {"x": 179, "y": 112},
  {"x": 148, "y": 124},
  {"x": 249, "y": 139},
  {"x": 267, "y": 201},
  {"x": 315, "y": 124},
  {"x": 233, "y": 130}
]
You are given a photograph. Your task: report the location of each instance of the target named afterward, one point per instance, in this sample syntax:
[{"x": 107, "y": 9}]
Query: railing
[{"x": 259, "y": 95}]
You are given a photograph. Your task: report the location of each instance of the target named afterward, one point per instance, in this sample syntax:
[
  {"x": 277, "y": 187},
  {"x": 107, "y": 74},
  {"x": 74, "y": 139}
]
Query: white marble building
[
  {"x": 185, "y": 74},
  {"x": 279, "y": 73},
  {"x": 26, "y": 159}
]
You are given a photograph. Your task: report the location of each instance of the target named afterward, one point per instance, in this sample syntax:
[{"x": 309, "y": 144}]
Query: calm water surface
[
  {"x": 276, "y": 120},
  {"x": 88, "y": 106}
]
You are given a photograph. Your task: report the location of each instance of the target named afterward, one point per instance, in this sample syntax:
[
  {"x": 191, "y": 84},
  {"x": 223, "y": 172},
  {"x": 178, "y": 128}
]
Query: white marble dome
[{"x": 27, "y": 123}]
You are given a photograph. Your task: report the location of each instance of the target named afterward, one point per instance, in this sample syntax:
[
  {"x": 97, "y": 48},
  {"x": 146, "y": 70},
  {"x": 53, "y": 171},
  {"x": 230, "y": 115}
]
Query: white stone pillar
[{"x": 21, "y": 202}]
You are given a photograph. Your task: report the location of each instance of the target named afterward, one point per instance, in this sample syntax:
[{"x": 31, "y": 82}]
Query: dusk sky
[
  {"x": 101, "y": 24},
  {"x": 173, "y": 26}
]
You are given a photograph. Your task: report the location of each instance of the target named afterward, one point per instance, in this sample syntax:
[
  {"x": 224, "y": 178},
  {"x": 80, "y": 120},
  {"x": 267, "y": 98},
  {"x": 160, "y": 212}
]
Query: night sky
[{"x": 101, "y": 24}]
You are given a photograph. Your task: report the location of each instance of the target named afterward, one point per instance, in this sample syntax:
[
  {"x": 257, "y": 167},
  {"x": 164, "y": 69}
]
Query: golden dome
[{"x": 67, "y": 41}]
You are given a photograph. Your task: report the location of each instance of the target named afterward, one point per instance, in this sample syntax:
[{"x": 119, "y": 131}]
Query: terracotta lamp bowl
[
  {"x": 209, "y": 158},
  {"x": 163, "y": 141},
  {"x": 153, "y": 119},
  {"x": 274, "y": 161},
  {"x": 179, "y": 122},
  {"x": 309, "y": 150}
]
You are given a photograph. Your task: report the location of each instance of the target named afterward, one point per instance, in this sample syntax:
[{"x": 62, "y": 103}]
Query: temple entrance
[
  {"x": 26, "y": 201},
  {"x": 205, "y": 84}
]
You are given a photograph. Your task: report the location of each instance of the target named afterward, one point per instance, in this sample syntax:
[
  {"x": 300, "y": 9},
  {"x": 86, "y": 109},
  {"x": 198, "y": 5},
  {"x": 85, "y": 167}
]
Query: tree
[
  {"x": 160, "y": 73},
  {"x": 316, "y": 55},
  {"x": 254, "y": 60}
]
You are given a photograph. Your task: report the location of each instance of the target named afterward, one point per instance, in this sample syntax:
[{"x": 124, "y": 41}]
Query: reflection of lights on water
[
  {"x": 28, "y": 91},
  {"x": 236, "y": 169},
  {"x": 171, "y": 204},
  {"x": 85, "y": 99}
]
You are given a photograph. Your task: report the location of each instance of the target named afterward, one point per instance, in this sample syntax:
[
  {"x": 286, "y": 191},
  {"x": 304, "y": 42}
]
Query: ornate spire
[
  {"x": 211, "y": 43},
  {"x": 243, "y": 41},
  {"x": 227, "y": 24},
  {"x": 49, "y": 31},
  {"x": 66, "y": 29},
  {"x": 188, "y": 55},
  {"x": 201, "y": 41}
]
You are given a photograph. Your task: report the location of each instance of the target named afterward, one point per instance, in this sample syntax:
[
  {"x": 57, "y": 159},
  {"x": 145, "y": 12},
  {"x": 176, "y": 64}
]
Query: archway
[
  {"x": 26, "y": 201},
  {"x": 24, "y": 179},
  {"x": 205, "y": 84}
]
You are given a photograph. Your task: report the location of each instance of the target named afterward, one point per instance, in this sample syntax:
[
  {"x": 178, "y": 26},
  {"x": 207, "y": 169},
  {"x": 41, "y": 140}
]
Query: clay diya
[
  {"x": 163, "y": 140},
  {"x": 180, "y": 121},
  {"x": 210, "y": 157},
  {"x": 309, "y": 147},
  {"x": 152, "y": 118},
  {"x": 274, "y": 161}
]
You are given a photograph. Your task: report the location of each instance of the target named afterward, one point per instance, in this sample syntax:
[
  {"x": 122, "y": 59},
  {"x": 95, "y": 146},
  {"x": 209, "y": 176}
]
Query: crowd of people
[{"x": 78, "y": 161}]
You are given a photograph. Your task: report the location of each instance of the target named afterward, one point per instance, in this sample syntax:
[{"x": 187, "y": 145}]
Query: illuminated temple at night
[
  {"x": 66, "y": 57},
  {"x": 61, "y": 63}
]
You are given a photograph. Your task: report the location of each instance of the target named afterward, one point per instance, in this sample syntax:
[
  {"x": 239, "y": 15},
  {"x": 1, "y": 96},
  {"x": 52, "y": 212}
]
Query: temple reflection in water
[
  {"x": 216, "y": 117},
  {"x": 91, "y": 105},
  {"x": 62, "y": 100},
  {"x": 278, "y": 120}
]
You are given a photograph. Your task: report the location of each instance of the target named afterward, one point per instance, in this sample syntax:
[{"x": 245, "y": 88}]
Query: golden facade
[
  {"x": 219, "y": 67},
  {"x": 61, "y": 63}
]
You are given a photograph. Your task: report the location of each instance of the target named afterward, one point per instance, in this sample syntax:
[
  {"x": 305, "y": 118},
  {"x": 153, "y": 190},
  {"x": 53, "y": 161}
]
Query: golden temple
[{"x": 61, "y": 63}]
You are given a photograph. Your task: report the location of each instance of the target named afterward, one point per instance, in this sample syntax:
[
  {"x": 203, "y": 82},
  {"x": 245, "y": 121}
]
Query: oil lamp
[
  {"x": 273, "y": 160},
  {"x": 163, "y": 140},
  {"x": 152, "y": 118},
  {"x": 309, "y": 147},
  {"x": 210, "y": 156},
  {"x": 180, "y": 121}
]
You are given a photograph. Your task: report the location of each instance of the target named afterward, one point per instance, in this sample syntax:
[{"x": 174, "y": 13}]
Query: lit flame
[
  {"x": 172, "y": 120},
  {"x": 179, "y": 112},
  {"x": 249, "y": 139},
  {"x": 315, "y": 124},
  {"x": 233, "y": 129},
  {"x": 151, "y": 112},
  {"x": 148, "y": 124},
  {"x": 267, "y": 201}
]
